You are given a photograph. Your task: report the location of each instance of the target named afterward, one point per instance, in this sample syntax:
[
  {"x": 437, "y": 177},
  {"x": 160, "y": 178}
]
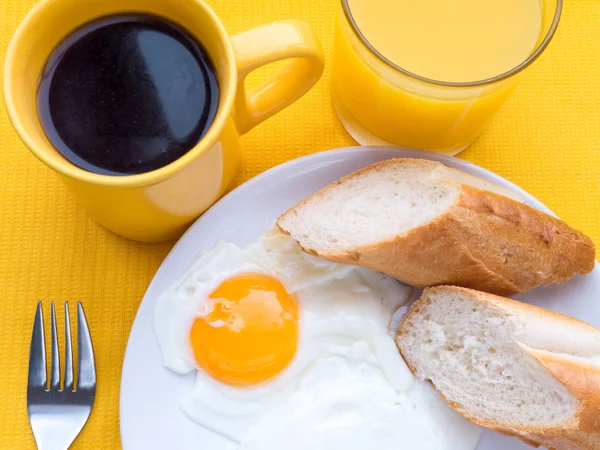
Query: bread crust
[
  {"x": 581, "y": 378},
  {"x": 484, "y": 241}
]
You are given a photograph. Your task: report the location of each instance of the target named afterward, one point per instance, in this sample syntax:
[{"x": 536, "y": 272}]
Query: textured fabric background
[{"x": 545, "y": 139}]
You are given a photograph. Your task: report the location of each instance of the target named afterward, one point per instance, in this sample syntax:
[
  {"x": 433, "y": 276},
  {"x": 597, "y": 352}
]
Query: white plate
[{"x": 150, "y": 415}]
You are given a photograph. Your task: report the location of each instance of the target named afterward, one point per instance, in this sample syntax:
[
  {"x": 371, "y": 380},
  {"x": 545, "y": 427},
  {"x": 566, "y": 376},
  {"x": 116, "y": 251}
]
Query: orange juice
[{"x": 430, "y": 74}]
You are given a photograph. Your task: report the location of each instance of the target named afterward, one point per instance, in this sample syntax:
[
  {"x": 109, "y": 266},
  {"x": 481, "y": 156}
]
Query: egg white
[
  {"x": 346, "y": 354},
  {"x": 358, "y": 410}
]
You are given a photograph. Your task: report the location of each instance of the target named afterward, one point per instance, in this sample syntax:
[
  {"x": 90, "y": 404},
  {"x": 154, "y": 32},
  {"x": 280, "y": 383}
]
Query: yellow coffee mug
[{"x": 161, "y": 204}]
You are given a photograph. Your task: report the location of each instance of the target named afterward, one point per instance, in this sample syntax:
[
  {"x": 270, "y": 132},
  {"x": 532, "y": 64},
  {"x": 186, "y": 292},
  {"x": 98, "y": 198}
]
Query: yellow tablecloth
[{"x": 546, "y": 139}]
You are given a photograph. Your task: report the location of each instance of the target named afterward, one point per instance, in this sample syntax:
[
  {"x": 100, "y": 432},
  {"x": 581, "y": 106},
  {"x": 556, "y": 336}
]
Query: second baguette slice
[
  {"x": 508, "y": 366},
  {"x": 427, "y": 224}
]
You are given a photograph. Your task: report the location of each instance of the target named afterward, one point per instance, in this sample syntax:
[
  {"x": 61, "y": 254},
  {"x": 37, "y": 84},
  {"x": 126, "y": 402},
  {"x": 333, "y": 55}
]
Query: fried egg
[{"x": 285, "y": 344}]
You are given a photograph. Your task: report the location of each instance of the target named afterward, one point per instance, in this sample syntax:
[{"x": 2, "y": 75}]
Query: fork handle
[{"x": 55, "y": 428}]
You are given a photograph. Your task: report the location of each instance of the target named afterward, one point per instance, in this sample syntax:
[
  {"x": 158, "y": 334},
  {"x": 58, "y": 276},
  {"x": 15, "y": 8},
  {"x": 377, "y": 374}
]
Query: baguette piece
[
  {"x": 427, "y": 224},
  {"x": 508, "y": 366}
]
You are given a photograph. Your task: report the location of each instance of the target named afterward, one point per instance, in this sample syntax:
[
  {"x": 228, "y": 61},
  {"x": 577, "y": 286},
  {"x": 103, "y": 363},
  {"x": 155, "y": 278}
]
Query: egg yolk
[{"x": 252, "y": 332}]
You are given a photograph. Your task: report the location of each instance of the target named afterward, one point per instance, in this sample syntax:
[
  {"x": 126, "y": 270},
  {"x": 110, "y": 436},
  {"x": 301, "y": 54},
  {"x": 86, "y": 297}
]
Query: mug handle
[{"x": 266, "y": 44}]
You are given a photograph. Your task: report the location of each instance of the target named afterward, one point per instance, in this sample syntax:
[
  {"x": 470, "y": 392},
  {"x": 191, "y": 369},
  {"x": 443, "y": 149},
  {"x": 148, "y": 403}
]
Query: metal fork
[{"x": 58, "y": 415}]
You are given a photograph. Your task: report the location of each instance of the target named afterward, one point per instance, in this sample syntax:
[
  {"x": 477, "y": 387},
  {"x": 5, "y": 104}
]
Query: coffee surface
[{"x": 127, "y": 95}]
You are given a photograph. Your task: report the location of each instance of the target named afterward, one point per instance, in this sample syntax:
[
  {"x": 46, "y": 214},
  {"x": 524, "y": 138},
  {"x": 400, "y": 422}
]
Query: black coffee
[{"x": 127, "y": 94}]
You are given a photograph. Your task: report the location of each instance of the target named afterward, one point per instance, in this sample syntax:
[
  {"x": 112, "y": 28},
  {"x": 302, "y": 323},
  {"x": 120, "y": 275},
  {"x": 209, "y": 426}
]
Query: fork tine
[
  {"x": 68, "y": 351},
  {"x": 37, "y": 353},
  {"x": 86, "y": 373},
  {"x": 55, "y": 362}
]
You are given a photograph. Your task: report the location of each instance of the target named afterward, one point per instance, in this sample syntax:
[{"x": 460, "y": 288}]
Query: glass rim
[{"x": 520, "y": 67}]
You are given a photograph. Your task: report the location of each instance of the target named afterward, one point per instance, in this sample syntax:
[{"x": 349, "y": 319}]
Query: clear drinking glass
[{"x": 379, "y": 102}]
